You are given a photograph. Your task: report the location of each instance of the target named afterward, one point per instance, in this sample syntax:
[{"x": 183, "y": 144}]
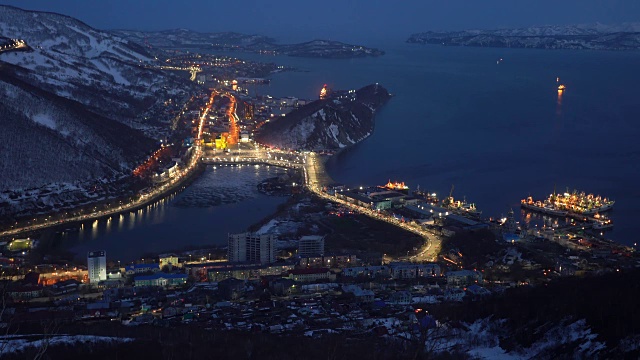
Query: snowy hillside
[
  {"x": 330, "y": 124},
  {"x": 77, "y": 105},
  {"x": 591, "y": 36},
  {"x": 102, "y": 71}
]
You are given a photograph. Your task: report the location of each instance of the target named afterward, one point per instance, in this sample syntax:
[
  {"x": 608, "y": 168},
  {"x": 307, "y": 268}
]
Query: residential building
[
  {"x": 251, "y": 247},
  {"x": 24, "y": 292},
  {"x": 141, "y": 269},
  {"x": 65, "y": 287},
  {"x": 478, "y": 291},
  {"x": 223, "y": 271},
  {"x": 97, "y": 266},
  {"x": 367, "y": 271},
  {"x": 361, "y": 295},
  {"x": 395, "y": 270},
  {"x": 401, "y": 298},
  {"x": 329, "y": 261},
  {"x": 454, "y": 294},
  {"x": 311, "y": 275},
  {"x": 405, "y": 270},
  {"x": 463, "y": 277},
  {"x": 311, "y": 245},
  {"x": 161, "y": 279}
]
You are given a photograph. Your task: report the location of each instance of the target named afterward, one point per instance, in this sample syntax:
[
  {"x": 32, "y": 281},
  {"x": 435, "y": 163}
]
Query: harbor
[
  {"x": 576, "y": 230},
  {"x": 584, "y": 208}
]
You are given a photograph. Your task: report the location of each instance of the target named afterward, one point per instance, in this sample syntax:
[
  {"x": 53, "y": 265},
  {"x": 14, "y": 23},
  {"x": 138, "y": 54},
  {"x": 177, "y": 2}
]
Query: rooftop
[
  {"x": 312, "y": 237},
  {"x": 308, "y": 271},
  {"x": 356, "y": 196},
  {"x": 462, "y": 220},
  {"x": 162, "y": 276},
  {"x": 141, "y": 266}
]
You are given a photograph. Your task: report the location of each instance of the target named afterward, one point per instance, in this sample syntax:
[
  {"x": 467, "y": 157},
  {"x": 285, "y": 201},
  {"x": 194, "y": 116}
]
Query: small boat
[{"x": 603, "y": 225}]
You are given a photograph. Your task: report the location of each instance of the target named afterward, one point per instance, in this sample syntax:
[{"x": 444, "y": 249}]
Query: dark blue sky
[{"x": 348, "y": 20}]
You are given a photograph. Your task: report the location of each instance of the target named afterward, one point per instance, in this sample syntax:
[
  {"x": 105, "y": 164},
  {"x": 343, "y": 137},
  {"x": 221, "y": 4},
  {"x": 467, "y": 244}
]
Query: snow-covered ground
[
  {"x": 279, "y": 227},
  {"x": 17, "y": 343},
  {"x": 481, "y": 340}
]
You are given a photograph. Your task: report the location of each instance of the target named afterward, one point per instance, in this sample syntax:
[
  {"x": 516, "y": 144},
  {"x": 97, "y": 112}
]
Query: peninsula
[{"x": 335, "y": 122}]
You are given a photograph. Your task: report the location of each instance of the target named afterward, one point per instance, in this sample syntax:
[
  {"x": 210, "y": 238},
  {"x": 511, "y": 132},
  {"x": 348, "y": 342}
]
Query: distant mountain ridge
[
  {"x": 341, "y": 120},
  {"x": 591, "y": 36},
  {"x": 174, "y": 38},
  {"x": 183, "y": 38}
]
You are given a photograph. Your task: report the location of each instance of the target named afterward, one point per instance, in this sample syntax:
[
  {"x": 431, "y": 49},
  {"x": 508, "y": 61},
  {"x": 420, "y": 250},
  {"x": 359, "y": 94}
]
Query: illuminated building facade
[
  {"x": 97, "y": 266},
  {"x": 249, "y": 111}
]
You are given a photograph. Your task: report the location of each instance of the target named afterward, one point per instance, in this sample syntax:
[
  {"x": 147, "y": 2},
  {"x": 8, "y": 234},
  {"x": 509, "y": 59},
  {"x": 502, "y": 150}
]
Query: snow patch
[
  {"x": 16, "y": 344},
  {"x": 45, "y": 120}
]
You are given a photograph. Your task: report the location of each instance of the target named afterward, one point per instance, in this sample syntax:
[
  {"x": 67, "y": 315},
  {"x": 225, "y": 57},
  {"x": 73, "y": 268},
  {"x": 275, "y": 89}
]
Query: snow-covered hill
[
  {"x": 591, "y": 36},
  {"x": 100, "y": 70},
  {"x": 77, "y": 105},
  {"x": 330, "y": 124}
]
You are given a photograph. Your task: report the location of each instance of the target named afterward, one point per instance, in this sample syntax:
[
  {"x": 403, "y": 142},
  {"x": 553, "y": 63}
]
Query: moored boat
[{"x": 541, "y": 207}]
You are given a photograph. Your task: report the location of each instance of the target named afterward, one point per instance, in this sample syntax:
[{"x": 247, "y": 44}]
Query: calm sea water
[
  {"x": 498, "y": 132},
  {"x": 221, "y": 201}
]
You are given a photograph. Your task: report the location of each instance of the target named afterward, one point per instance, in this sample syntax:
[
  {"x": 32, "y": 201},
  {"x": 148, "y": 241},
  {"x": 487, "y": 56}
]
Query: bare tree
[{"x": 50, "y": 329}]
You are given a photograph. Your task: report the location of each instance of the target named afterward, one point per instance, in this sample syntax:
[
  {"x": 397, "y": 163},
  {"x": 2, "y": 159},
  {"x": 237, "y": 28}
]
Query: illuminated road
[
  {"x": 315, "y": 176},
  {"x": 234, "y": 133},
  {"x": 310, "y": 163},
  {"x": 17, "y": 44}
]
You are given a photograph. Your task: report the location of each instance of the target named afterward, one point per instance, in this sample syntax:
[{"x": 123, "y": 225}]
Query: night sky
[{"x": 351, "y": 20}]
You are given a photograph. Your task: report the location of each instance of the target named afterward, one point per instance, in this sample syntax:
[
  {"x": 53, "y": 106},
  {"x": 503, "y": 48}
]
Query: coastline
[{"x": 179, "y": 186}]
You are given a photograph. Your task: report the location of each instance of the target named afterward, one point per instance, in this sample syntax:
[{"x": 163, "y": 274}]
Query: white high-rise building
[
  {"x": 237, "y": 248},
  {"x": 249, "y": 247},
  {"x": 311, "y": 245},
  {"x": 97, "y": 266}
]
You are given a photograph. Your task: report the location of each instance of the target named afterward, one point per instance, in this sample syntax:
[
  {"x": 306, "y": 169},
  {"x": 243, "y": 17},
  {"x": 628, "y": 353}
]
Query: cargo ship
[
  {"x": 429, "y": 197},
  {"x": 581, "y": 203},
  {"x": 396, "y": 186},
  {"x": 460, "y": 207},
  {"x": 570, "y": 203},
  {"x": 542, "y": 207}
]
